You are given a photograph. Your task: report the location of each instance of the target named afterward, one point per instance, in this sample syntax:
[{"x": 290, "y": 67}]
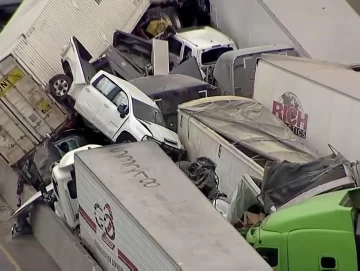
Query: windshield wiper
[
  {"x": 156, "y": 117},
  {"x": 148, "y": 122}
]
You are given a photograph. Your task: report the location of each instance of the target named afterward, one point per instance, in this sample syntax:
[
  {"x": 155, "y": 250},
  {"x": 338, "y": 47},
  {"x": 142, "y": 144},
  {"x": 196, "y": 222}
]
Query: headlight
[
  {"x": 150, "y": 138},
  {"x": 168, "y": 149}
]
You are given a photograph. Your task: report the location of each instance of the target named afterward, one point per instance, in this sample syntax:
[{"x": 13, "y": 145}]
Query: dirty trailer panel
[
  {"x": 27, "y": 114},
  {"x": 200, "y": 140},
  {"x": 139, "y": 211}
]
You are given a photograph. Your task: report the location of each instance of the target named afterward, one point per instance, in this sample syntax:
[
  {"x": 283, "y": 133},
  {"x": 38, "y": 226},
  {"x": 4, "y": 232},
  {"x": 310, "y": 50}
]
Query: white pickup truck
[
  {"x": 205, "y": 43},
  {"x": 118, "y": 109}
]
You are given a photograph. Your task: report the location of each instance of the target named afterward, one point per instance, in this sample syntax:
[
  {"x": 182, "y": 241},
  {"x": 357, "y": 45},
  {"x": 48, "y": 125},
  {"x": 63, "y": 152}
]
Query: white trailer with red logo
[
  {"x": 138, "y": 211},
  {"x": 319, "y": 101}
]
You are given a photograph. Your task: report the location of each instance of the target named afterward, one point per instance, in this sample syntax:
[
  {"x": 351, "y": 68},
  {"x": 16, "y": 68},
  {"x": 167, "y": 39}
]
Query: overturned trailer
[
  {"x": 243, "y": 139},
  {"x": 239, "y": 136}
]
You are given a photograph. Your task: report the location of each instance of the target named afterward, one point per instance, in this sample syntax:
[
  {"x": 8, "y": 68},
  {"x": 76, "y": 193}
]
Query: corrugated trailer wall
[
  {"x": 27, "y": 114},
  {"x": 247, "y": 23},
  {"x": 93, "y": 22}
]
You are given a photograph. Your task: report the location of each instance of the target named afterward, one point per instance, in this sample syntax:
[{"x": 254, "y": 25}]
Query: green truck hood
[{"x": 320, "y": 212}]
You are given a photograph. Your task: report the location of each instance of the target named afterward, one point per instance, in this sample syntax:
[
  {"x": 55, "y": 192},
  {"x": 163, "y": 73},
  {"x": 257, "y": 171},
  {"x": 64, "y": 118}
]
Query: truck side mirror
[{"x": 122, "y": 109}]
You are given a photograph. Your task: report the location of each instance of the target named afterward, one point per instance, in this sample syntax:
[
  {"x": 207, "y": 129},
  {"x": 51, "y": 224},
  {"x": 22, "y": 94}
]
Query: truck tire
[
  {"x": 172, "y": 15},
  {"x": 125, "y": 138},
  {"x": 59, "y": 86}
]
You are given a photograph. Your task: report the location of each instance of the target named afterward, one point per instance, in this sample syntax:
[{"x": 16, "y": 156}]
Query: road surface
[{"x": 23, "y": 253}]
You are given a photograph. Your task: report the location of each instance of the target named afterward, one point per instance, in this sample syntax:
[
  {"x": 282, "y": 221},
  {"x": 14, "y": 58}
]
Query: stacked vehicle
[
  {"x": 159, "y": 78},
  {"x": 131, "y": 196}
]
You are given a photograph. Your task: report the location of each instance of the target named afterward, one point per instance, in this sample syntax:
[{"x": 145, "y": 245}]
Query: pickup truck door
[
  {"x": 89, "y": 102},
  {"x": 108, "y": 119}
]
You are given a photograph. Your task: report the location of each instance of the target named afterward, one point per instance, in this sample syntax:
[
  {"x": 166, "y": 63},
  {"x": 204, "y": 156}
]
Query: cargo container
[
  {"x": 27, "y": 114},
  {"x": 39, "y": 29}
]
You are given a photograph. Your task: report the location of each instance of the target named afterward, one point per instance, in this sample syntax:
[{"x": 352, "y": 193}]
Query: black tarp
[
  {"x": 188, "y": 67},
  {"x": 171, "y": 90},
  {"x": 246, "y": 123},
  {"x": 284, "y": 181}
]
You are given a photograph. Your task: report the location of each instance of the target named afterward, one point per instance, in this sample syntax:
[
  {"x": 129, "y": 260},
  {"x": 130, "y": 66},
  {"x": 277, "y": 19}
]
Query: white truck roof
[
  {"x": 175, "y": 213},
  {"x": 204, "y": 37},
  {"x": 337, "y": 77},
  {"x": 135, "y": 92}
]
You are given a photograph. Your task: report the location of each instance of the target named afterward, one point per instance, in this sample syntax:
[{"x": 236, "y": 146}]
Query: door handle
[{"x": 106, "y": 105}]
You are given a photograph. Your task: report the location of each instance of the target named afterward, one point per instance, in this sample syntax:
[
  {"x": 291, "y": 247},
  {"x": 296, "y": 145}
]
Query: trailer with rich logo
[{"x": 318, "y": 101}]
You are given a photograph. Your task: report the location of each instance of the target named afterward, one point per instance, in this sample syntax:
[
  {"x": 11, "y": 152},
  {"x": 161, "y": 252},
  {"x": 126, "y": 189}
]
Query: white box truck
[
  {"x": 138, "y": 211},
  {"x": 326, "y": 30},
  {"x": 39, "y": 29},
  {"x": 319, "y": 101}
]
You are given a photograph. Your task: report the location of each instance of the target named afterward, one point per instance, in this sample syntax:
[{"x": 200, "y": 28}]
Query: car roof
[
  {"x": 159, "y": 84},
  {"x": 203, "y": 37},
  {"x": 135, "y": 92}
]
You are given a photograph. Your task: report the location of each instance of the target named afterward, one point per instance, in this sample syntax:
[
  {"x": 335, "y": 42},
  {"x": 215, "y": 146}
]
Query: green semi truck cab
[{"x": 318, "y": 234}]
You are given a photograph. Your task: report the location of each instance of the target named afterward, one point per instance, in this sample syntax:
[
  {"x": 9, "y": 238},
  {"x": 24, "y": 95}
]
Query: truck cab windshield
[
  {"x": 147, "y": 112},
  {"x": 212, "y": 55}
]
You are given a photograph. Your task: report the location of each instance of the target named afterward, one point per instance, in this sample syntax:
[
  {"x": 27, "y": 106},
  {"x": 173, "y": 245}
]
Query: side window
[
  {"x": 71, "y": 185},
  {"x": 55, "y": 187},
  {"x": 105, "y": 85},
  {"x": 174, "y": 46},
  {"x": 187, "y": 52},
  {"x": 121, "y": 99},
  {"x": 270, "y": 255},
  {"x": 68, "y": 145}
]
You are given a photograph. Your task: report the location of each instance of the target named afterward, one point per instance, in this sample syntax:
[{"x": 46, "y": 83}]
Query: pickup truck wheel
[
  {"x": 59, "y": 86},
  {"x": 171, "y": 13}
]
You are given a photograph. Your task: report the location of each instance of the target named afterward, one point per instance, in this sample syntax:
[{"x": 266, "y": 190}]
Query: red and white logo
[
  {"x": 104, "y": 219},
  {"x": 289, "y": 109}
]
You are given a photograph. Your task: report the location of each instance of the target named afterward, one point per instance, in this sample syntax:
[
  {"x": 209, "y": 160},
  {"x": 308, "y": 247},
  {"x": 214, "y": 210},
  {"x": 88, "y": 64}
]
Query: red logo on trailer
[
  {"x": 104, "y": 219},
  {"x": 289, "y": 109}
]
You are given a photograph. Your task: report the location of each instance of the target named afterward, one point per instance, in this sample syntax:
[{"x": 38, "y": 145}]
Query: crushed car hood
[
  {"x": 247, "y": 123},
  {"x": 163, "y": 134}
]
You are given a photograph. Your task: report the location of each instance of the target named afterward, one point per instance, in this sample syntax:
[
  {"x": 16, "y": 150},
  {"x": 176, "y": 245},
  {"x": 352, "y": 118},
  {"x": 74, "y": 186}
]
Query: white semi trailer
[
  {"x": 318, "y": 100},
  {"x": 316, "y": 28}
]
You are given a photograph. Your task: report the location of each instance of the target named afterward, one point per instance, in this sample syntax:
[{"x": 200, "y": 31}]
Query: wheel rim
[{"x": 61, "y": 87}]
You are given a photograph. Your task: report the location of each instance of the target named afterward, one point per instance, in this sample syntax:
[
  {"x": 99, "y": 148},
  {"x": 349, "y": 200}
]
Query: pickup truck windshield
[
  {"x": 211, "y": 56},
  {"x": 148, "y": 113}
]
